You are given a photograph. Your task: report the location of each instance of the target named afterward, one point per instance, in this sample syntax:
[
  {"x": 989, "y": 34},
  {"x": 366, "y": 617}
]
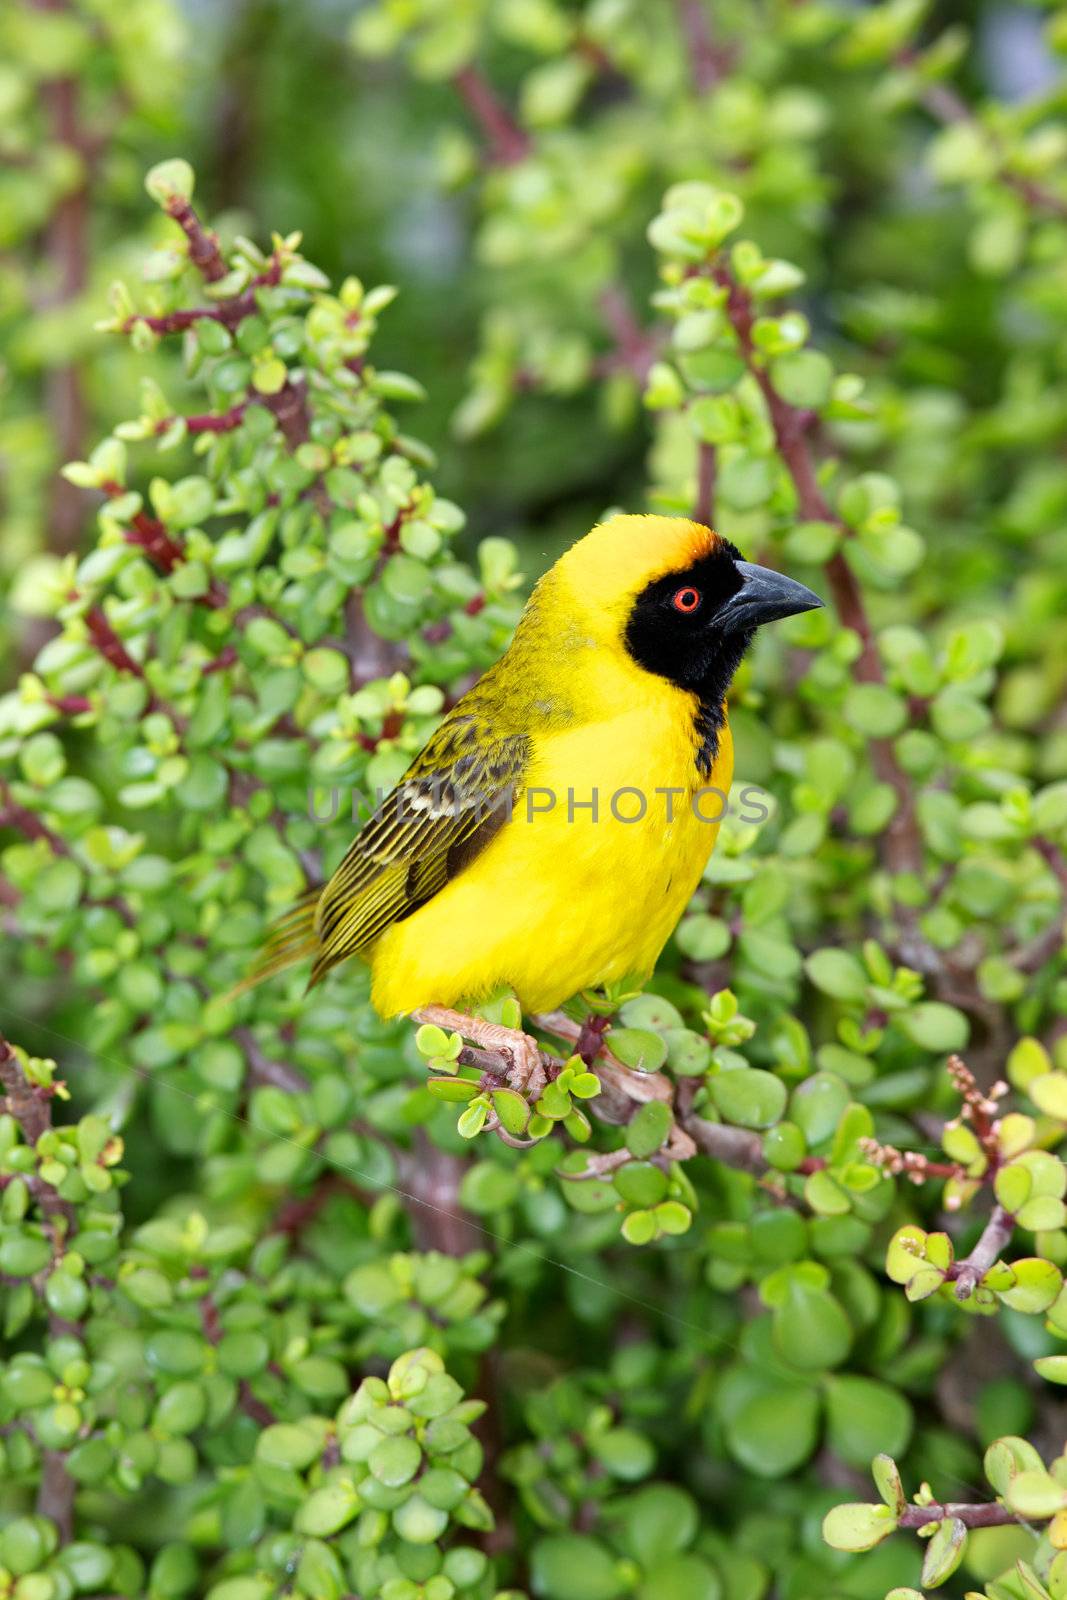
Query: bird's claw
[
  {"x": 527, "y": 1073},
  {"x": 526, "y": 1070}
]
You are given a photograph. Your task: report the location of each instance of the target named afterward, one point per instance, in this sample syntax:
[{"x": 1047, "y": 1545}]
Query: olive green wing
[{"x": 452, "y": 800}]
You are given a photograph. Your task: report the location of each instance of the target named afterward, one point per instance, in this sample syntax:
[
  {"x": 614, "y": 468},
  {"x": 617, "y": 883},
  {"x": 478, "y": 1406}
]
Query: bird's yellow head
[{"x": 672, "y": 597}]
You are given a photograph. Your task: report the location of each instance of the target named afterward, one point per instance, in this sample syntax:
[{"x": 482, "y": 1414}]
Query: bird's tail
[{"x": 291, "y": 938}]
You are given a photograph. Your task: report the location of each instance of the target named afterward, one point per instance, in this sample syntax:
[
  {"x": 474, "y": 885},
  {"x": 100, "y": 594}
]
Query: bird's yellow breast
[{"x": 583, "y": 886}]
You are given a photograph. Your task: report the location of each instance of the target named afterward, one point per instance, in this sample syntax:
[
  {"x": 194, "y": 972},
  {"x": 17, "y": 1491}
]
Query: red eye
[{"x": 686, "y": 600}]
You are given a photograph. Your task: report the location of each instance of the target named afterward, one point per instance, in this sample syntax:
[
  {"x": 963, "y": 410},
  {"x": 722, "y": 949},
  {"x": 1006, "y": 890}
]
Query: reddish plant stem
[
  {"x": 944, "y": 1169},
  {"x": 71, "y": 705},
  {"x": 173, "y": 321},
  {"x": 635, "y": 349},
  {"x": 262, "y": 1070},
  {"x": 149, "y": 534},
  {"x": 258, "y": 1410},
  {"x": 28, "y": 822},
  {"x": 946, "y": 106},
  {"x": 27, "y": 1102},
  {"x": 204, "y": 250},
  {"x": 289, "y": 405},
  {"x": 110, "y": 646},
  {"x": 1055, "y": 858},
  {"x": 1031, "y": 957},
  {"x": 212, "y": 422},
  {"x": 734, "y": 1147},
  {"x": 597, "y": 56},
  {"x": 226, "y": 658},
  {"x": 985, "y": 1516},
  {"x": 30, "y": 1105},
  {"x": 211, "y": 1323},
  {"x": 107, "y": 642},
  {"x": 706, "y": 63},
  {"x": 370, "y": 656},
  {"x": 166, "y": 552},
  {"x": 55, "y": 1494},
  {"x": 910, "y": 1164},
  {"x": 590, "y": 1041},
  {"x": 67, "y": 253},
  {"x": 439, "y": 1222},
  {"x": 290, "y": 410},
  {"x": 506, "y": 142},
  {"x": 229, "y": 312},
  {"x": 297, "y": 1213},
  {"x": 979, "y": 1108},
  {"x": 902, "y": 840},
  {"x": 1036, "y": 195}
]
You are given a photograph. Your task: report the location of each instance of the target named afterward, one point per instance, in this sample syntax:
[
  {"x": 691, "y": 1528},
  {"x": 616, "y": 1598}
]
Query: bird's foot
[{"x": 526, "y": 1070}]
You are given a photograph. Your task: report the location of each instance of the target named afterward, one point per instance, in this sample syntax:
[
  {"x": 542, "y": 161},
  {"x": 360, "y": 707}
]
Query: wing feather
[{"x": 453, "y": 799}]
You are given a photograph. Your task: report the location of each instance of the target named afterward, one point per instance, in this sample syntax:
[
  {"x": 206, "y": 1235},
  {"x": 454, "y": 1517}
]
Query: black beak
[{"x": 764, "y": 596}]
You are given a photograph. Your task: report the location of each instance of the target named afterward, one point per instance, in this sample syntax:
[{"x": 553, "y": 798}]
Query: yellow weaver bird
[{"x": 551, "y": 832}]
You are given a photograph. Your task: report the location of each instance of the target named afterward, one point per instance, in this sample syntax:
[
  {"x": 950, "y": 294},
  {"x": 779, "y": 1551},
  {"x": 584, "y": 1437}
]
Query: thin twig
[
  {"x": 707, "y": 63},
  {"x": 1032, "y": 956},
  {"x": 204, "y": 250},
  {"x": 290, "y": 410},
  {"x": 211, "y": 1323},
  {"x": 910, "y": 1164},
  {"x": 31, "y": 1106},
  {"x": 28, "y": 822},
  {"x": 996, "y": 1236},
  {"x": 104, "y": 638},
  {"x": 506, "y": 142},
  {"x": 263, "y": 1070},
  {"x": 903, "y": 844},
  {"x": 636, "y": 348},
  {"x": 67, "y": 253},
  {"x": 943, "y": 103},
  {"x": 734, "y": 1147},
  {"x": 211, "y": 421},
  {"x": 432, "y": 1178},
  {"x": 297, "y": 1212},
  {"x": 992, "y": 1515},
  {"x": 230, "y": 312}
]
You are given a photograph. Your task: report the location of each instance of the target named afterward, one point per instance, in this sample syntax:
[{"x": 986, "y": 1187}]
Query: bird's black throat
[
  {"x": 690, "y": 650},
  {"x": 711, "y": 692}
]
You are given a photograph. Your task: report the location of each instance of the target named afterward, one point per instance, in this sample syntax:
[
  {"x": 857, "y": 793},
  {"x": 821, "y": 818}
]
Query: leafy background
[{"x": 282, "y": 1313}]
